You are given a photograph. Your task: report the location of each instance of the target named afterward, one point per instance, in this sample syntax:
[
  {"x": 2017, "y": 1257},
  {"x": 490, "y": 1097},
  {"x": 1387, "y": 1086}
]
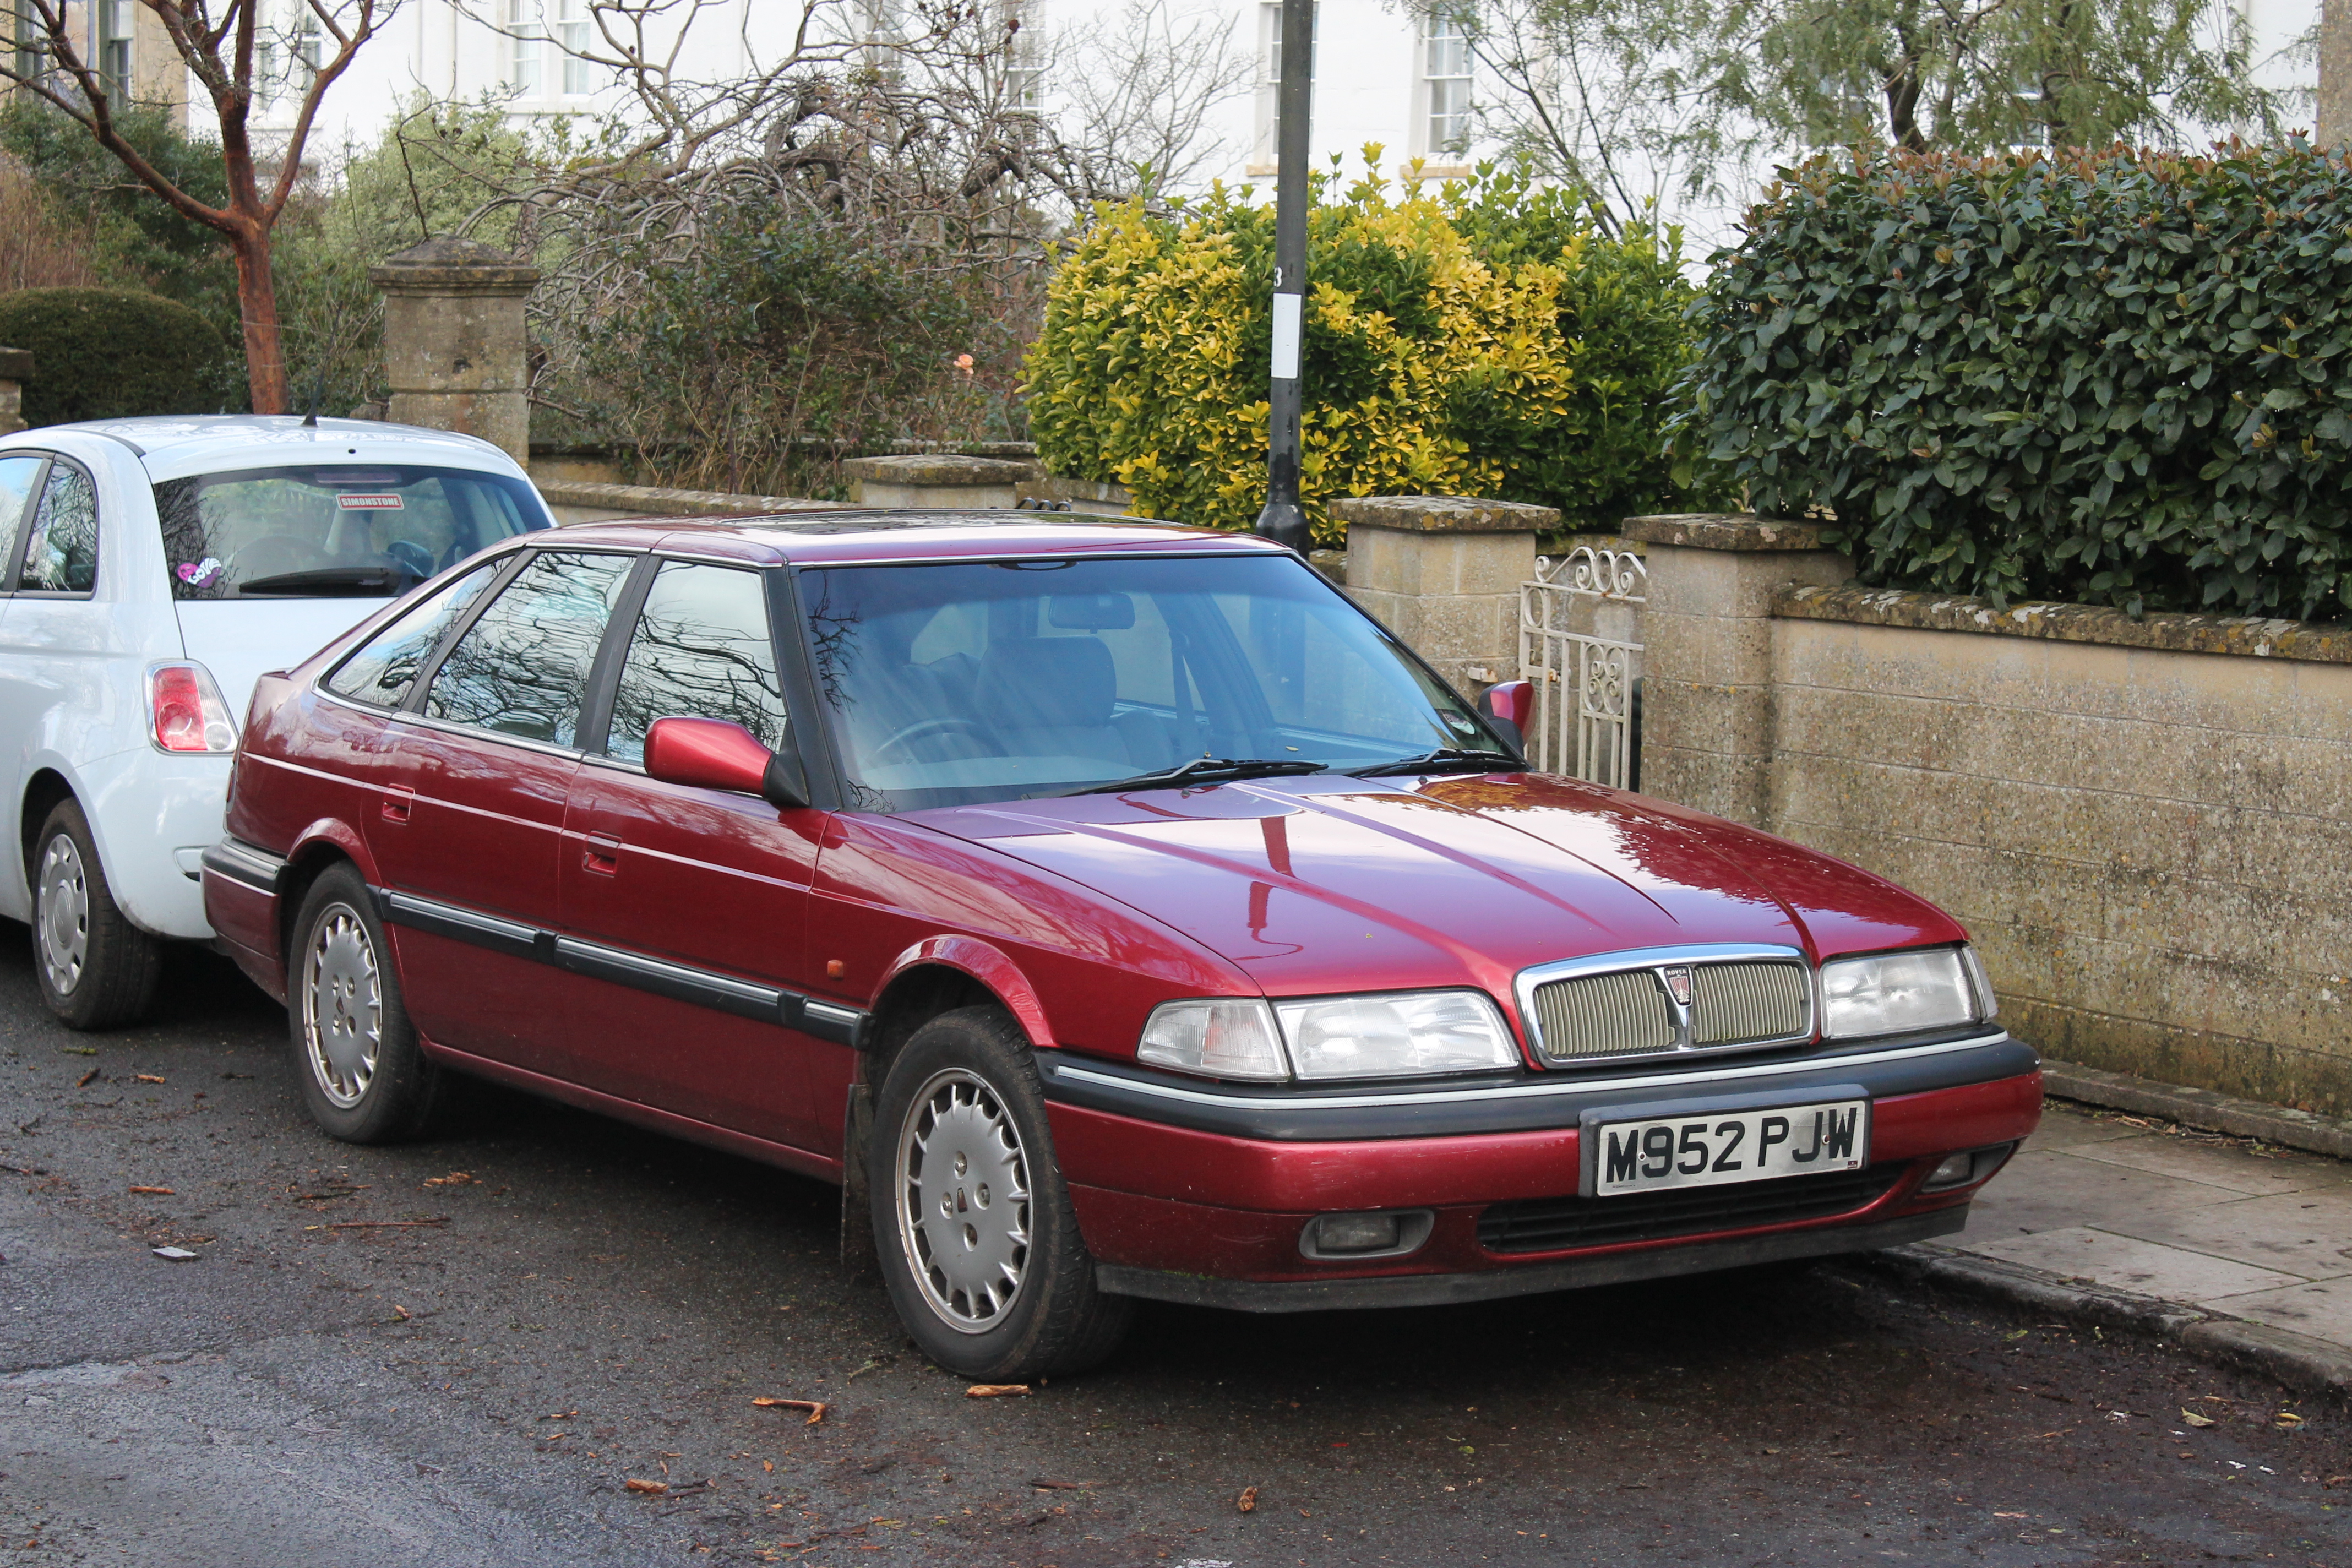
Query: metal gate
[{"x": 1579, "y": 619}]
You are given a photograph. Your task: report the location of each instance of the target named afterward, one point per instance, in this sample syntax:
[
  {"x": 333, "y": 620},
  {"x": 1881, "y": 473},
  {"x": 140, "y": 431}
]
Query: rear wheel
[
  {"x": 979, "y": 1245},
  {"x": 96, "y": 970},
  {"x": 363, "y": 1076}
]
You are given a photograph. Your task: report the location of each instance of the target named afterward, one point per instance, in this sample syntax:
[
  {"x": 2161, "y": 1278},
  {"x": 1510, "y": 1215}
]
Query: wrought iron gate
[{"x": 1579, "y": 619}]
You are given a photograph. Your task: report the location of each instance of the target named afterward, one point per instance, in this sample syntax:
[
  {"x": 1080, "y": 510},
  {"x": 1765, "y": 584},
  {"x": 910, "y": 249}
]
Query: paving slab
[
  {"x": 2051, "y": 1190},
  {"x": 2219, "y": 1165},
  {"x": 2127, "y": 1263},
  {"x": 2070, "y": 1129},
  {"x": 2322, "y": 1310},
  {"x": 2306, "y": 1233}
]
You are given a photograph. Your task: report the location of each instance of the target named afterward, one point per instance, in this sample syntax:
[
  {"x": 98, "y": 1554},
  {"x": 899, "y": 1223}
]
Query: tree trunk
[{"x": 257, "y": 297}]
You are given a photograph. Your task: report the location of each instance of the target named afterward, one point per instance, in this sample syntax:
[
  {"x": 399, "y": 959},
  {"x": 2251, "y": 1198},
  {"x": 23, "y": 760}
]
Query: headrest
[{"x": 1037, "y": 683}]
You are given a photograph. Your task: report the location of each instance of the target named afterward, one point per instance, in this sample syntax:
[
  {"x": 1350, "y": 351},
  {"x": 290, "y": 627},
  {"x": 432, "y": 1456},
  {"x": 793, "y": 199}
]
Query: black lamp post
[{"x": 1283, "y": 519}]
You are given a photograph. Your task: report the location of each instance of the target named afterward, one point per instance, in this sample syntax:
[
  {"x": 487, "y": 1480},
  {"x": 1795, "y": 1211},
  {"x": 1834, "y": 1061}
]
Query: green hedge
[
  {"x": 2119, "y": 378},
  {"x": 104, "y": 354},
  {"x": 1481, "y": 340}
]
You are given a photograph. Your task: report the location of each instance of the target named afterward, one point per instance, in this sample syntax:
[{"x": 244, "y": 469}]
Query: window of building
[
  {"x": 115, "y": 20},
  {"x": 1269, "y": 79},
  {"x": 1024, "y": 70},
  {"x": 308, "y": 43},
  {"x": 527, "y": 49},
  {"x": 571, "y": 31},
  {"x": 1445, "y": 70}
]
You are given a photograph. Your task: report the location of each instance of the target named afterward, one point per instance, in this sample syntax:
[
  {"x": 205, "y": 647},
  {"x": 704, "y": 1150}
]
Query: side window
[
  {"x": 522, "y": 667},
  {"x": 700, "y": 649},
  {"x": 61, "y": 556},
  {"x": 18, "y": 472},
  {"x": 383, "y": 669}
]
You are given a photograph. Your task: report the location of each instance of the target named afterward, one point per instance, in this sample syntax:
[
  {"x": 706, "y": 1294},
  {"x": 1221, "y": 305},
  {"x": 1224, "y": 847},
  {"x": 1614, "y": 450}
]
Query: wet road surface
[{"x": 462, "y": 1352}]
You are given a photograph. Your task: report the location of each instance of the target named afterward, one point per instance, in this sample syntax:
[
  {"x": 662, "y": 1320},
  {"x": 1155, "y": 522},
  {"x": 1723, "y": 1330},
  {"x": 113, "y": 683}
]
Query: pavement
[{"x": 2230, "y": 1226}]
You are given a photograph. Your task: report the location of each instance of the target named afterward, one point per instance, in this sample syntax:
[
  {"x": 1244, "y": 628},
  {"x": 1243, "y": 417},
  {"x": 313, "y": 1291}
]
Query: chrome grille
[
  {"x": 1624, "y": 1013},
  {"x": 1734, "y": 1003}
]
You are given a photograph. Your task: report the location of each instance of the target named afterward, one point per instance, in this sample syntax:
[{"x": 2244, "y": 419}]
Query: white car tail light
[{"x": 187, "y": 710}]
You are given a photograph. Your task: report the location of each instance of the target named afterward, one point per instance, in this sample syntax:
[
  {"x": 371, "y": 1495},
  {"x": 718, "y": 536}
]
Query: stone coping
[
  {"x": 2171, "y": 630},
  {"x": 447, "y": 265},
  {"x": 1723, "y": 530},
  {"x": 1444, "y": 514},
  {"x": 652, "y": 502},
  {"x": 937, "y": 468}
]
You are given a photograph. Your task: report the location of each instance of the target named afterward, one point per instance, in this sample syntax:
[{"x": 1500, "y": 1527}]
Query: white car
[{"x": 152, "y": 569}]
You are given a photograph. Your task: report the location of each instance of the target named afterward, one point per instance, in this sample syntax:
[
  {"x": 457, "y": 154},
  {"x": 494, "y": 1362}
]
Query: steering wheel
[
  {"x": 414, "y": 557},
  {"x": 923, "y": 729}
]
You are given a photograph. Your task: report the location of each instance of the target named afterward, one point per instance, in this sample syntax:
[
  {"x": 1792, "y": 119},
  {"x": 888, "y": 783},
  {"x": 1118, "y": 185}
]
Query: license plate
[{"x": 1731, "y": 1146}]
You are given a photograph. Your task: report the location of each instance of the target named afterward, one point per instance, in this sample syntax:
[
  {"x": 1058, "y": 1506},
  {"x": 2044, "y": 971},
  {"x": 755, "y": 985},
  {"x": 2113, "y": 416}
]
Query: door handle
[
  {"x": 397, "y": 803},
  {"x": 603, "y": 855}
]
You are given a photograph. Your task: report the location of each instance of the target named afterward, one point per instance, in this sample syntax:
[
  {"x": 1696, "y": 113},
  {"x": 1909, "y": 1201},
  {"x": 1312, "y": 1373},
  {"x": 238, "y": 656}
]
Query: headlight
[
  {"x": 1217, "y": 1038},
  {"x": 1396, "y": 1036},
  {"x": 1897, "y": 993},
  {"x": 1399, "y": 1034}
]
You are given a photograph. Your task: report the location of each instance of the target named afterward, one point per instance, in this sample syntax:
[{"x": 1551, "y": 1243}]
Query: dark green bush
[
  {"x": 2119, "y": 378},
  {"x": 103, "y": 354}
]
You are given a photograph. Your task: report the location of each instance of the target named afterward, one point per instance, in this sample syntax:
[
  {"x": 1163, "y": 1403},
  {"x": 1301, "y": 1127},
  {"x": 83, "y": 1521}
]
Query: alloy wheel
[
  {"x": 63, "y": 917},
  {"x": 342, "y": 1006},
  {"x": 963, "y": 1201}
]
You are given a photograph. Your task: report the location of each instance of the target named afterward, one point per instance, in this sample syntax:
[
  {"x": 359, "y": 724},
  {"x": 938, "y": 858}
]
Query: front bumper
[{"x": 1199, "y": 1192}]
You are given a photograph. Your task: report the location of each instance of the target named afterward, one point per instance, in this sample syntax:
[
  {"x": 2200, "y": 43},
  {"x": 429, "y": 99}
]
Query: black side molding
[
  {"x": 245, "y": 863},
  {"x": 679, "y": 982}
]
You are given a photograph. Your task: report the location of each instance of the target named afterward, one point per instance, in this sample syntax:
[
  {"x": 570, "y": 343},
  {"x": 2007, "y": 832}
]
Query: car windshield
[
  {"x": 954, "y": 683},
  {"x": 314, "y": 532}
]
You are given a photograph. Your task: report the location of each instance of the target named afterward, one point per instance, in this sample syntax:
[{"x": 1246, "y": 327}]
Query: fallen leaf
[
  {"x": 815, "y": 1407},
  {"x": 1248, "y": 1502},
  {"x": 1046, "y": 1486},
  {"x": 2194, "y": 1419},
  {"x": 2009, "y": 1516},
  {"x": 649, "y": 1489},
  {"x": 769, "y": 1466},
  {"x": 2337, "y": 1481},
  {"x": 144, "y": 1077},
  {"x": 558, "y": 1415},
  {"x": 173, "y": 1254},
  {"x": 86, "y": 1080},
  {"x": 157, "y": 1192},
  {"x": 453, "y": 1179},
  {"x": 2289, "y": 1418},
  {"x": 994, "y": 1390}
]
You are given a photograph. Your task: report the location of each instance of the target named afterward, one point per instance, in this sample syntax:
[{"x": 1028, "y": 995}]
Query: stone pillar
[
  {"x": 946, "y": 480},
  {"x": 1443, "y": 573},
  {"x": 1706, "y": 652},
  {"x": 454, "y": 348},
  {"x": 15, "y": 370}
]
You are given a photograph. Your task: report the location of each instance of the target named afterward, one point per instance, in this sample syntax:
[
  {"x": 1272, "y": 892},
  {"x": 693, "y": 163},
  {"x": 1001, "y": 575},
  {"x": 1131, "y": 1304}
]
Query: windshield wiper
[
  {"x": 1443, "y": 760},
  {"x": 334, "y": 580},
  {"x": 1205, "y": 770}
]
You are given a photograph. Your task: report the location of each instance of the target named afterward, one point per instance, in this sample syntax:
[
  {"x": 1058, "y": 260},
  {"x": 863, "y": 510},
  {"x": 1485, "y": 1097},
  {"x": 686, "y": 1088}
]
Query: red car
[{"x": 1111, "y": 907}]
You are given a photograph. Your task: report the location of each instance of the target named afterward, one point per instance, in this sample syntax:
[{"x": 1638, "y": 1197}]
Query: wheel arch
[
  {"x": 48, "y": 786},
  {"x": 316, "y": 849}
]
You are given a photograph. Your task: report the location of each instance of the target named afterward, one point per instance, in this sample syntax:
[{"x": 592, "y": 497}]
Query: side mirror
[
  {"x": 713, "y": 753},
  {"x": 1510, "y": 707}
]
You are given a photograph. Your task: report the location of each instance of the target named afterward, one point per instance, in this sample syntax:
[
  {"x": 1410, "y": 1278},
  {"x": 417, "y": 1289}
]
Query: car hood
[
  {"x": 239, "y": 640},
  {"x": 1327, "y": 884}
]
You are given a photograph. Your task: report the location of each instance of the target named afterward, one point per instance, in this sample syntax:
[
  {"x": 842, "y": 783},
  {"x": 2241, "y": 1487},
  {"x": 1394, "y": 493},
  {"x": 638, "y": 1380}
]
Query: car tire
[
  {"x": 96, "y": 970},
  {"x": 363, "y": 1076},
  {"x": 972, "y": 1223}
]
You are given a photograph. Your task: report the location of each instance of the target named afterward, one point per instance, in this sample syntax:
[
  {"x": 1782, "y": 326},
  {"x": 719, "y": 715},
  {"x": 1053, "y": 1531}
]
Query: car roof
[
  {"x": 850, "y": 536},
  {"x": 177, "y": 444}
]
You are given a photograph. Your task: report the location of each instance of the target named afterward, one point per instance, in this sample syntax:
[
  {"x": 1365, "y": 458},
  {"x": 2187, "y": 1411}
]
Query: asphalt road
[{"x": 594, "y": 1305}]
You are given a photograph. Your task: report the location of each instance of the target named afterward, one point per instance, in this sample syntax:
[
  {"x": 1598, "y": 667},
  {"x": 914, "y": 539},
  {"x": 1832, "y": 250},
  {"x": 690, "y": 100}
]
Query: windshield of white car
[
  {"x": 955, "y": 683},
  {"x": 331, "y": 531}
]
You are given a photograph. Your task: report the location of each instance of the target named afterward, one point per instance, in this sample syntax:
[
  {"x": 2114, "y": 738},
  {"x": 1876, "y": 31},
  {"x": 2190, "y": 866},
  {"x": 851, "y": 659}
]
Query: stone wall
[{"x": 2145, "y": 826}]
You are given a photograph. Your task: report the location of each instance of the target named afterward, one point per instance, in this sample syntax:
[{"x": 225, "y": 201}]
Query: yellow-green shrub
[{"x": 1481, "y": 341}]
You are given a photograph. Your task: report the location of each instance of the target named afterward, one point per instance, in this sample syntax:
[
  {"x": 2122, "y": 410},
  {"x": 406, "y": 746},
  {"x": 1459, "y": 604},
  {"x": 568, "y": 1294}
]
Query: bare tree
[
  {"x": 222, "y": 43},
  {"x": 1136, "y": 90}
]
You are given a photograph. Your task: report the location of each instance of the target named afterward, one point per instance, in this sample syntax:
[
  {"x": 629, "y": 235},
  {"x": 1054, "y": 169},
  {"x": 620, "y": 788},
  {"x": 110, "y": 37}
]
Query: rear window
[{"x": 320, "y": 531}]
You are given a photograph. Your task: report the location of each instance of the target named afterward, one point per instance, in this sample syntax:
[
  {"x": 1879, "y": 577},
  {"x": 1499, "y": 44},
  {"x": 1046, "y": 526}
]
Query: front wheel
[
  {"x": 978, "y": 1242},
  {"x": 97, "y": 969},
  {"x": 363, "y": 1076}
]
